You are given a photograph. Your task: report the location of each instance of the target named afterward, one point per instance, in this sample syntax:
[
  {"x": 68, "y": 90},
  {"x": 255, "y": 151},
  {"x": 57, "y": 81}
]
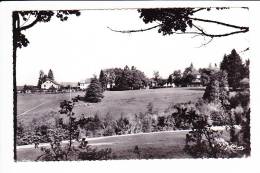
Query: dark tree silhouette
[
  {"x": 94, "y": 91},
  {"x": 29, "y": 19},
  {"x": 50, "y": 75},
  {"x": 233, "y": 65},
  {"x": 180, "y": 20},
  {"x": 170, "y": 79},
  {"x": 41, "y": 78},
  {"x": 177, "y": 78},
  {"x": 103, "y": 80}
]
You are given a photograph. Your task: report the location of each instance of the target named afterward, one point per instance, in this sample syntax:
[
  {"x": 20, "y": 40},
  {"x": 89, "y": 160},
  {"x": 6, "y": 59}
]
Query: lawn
[
  {"x": 44, "y": 107},
  {"x": 151, "y": 146}
]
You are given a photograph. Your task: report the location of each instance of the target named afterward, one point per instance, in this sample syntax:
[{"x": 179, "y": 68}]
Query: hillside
[{"x": 45, "y": 107}]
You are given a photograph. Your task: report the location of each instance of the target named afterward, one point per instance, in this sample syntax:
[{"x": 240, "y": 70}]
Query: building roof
[
  {"x": 86, "y": 81},
  {"x": 51, "y": 81}
]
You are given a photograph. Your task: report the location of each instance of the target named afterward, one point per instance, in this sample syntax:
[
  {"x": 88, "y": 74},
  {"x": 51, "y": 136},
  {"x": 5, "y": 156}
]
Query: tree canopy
[
  {"x": 170, "y": 21},
  {"x": 125, "y": 79},
  {"x": 235, "y": 68},
  {"x": 31, "y": 18}
]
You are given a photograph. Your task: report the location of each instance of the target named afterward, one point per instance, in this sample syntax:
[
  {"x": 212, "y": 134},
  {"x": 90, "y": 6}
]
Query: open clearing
[
  {"x": 151, "y": 145},
  {"x": 45, "y": 107}
]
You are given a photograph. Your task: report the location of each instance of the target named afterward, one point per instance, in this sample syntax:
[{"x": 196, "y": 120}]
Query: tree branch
[
  {"x": 219, "y": 35},
  {"x": 199, "y": 9},
  {"x": 138, "y": 30},
  {"x": 221, "y": 23},
  {"x": 204, "y": 44},
  {"x": 31, "y": 24},
  {"x": 26, "y": 20}
]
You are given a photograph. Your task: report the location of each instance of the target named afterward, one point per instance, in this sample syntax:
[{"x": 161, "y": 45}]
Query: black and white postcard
[{"x": 132, "y": 82}]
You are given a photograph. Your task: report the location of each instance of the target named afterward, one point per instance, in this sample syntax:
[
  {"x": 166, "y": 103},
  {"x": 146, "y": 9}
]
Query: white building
[
  {"x": 84, "y": 84},
  {"x": 49, "y": 84}
]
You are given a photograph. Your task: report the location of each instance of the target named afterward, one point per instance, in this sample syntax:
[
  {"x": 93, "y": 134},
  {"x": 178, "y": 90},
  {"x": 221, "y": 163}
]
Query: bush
[
  {"x": 122, "y": 126},
  {"x": 240, "y": 98},
  {"x": 215, "y": 112},
  {"x": 83, "y": 151},
  {"x": 182, "y": 117}
]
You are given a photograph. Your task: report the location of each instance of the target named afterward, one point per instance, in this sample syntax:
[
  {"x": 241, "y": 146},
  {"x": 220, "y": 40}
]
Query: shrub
[
  {"x": 240, "y": 98},
  {"x": 122, "y": 126},
  {"x": 108, "y": 125},
  {"x": 215, "y": 112},
  {"x": 182, "y": 117},
  {"x": 83, "y": 151}
]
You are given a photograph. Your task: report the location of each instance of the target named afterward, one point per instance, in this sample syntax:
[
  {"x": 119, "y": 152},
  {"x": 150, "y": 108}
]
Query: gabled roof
[{"x": 56, "y": 83}]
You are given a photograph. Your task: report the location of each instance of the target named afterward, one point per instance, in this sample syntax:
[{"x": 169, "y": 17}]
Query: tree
[
  {"x": 125, "y": 79},
  {"x": 156, "y": 76},
  {"x": 170, "y": 80},
  {"x": 41, "y": 79},
  {"x": 217, "y": 89},
  {"x": 94, "y": 91},
  {"x": 188, "y": 75},
  {"x": 246, "y": 69},
  {"x": 205, "y": 75},
  {"x": 233, "y": 65},
  {"x": 177, "y": 78},
  {"x": 182, "y": 21},
  {"x": 20, "y": 40},
  {"x": 103, "y": 80},
  {"x": 50, "y": 75},
  {"x": 110, "y": 76}
]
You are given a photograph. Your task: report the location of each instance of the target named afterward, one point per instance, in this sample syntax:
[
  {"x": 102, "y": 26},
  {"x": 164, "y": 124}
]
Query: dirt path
[{"x": 103, "y": 137}]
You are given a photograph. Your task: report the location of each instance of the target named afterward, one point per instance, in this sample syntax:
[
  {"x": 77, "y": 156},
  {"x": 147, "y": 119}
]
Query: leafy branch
[{"x": 177, "y": 20}]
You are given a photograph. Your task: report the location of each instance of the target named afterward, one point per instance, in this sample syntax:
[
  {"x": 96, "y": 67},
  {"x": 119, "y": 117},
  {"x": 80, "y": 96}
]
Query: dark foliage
[
  {"x": 217, "y": 89},
  {"x": 50, "y": 75},
  {"x": 103, "y": 80},
  {"x": 94, "y": 91},
  {"x": 125, "y": 79},
  {"x": 233, "y": 65},
  {"x": 172, "y": 19}
]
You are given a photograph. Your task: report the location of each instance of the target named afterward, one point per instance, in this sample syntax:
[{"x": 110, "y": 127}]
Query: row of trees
[
  {"x": 116, "y": 79},
  {"x": 232, "y": 64},
  {"x": 123, "y": 79}
]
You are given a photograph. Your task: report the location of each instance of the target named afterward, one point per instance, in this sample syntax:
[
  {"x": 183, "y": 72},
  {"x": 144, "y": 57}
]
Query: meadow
[{"x": 44, "y": 107}]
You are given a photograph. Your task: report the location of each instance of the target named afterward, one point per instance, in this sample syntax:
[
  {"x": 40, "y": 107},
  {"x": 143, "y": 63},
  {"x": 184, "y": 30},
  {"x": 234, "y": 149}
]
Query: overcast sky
[{"x": 82, "y": 46}]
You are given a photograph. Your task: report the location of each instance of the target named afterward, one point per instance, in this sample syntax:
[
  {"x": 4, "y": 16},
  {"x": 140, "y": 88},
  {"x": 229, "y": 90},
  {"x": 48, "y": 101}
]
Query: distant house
[
  {"x": 50, "y": 84},
  {"x": 196, "y": 82},
  {"x": 110, "y": 86},
  {"x": 83, "y": 84}
]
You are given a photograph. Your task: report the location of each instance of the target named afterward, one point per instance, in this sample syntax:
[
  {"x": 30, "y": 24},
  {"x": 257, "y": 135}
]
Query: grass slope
[{"x": 128, "y": 103}]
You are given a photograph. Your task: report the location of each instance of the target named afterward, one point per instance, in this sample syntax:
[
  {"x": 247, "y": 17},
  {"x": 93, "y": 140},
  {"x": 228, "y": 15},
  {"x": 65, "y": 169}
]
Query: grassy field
[
  {"x": 152, "y": 146},
  {"x": 44, "y": 107}
]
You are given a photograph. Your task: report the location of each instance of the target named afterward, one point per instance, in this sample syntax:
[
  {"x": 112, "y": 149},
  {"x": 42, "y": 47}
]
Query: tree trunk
[{"x": 15, "y": 32}]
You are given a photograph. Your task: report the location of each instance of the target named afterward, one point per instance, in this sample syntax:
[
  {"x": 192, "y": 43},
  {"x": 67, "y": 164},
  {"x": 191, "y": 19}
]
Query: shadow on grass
[{"x": 196, "y": 88}]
